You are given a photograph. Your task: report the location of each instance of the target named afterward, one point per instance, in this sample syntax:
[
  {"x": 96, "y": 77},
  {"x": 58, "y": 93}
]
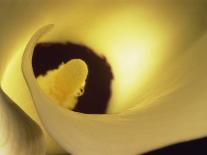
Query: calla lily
[{"x": 159, "y": 48}]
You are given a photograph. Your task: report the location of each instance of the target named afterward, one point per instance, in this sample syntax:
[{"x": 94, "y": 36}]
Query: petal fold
[
  {"x": 171, "y": 117},
  {"x": 19, "y": 134}
]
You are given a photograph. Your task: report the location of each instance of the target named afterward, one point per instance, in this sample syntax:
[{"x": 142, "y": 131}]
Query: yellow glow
[
  {"x": 13, "y": 80},
  {"x": 130, "y": 39},
  {"x": 15, "y": 86},
  {"x": 134, "y": 39},
  {"x": 131, "y": 42},
  {"x": 63, "y": 85}
]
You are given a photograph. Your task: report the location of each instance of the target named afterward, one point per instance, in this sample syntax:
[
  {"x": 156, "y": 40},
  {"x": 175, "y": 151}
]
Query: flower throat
[{"x": 97, "y": 89}]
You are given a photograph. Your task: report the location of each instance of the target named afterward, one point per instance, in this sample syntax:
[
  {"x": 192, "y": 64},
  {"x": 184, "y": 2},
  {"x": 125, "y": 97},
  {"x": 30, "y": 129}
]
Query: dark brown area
[
  {"x": 97, "y": 92},
  {"x": 193, "y": 147}
]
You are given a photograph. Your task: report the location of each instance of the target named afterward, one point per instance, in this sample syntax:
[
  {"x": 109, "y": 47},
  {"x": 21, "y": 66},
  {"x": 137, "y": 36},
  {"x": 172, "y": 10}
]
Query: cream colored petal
[
  {"x": 19, "y": 19},
  {"x": 171, "y": 117},
  {"x": 19, "y": 134}
]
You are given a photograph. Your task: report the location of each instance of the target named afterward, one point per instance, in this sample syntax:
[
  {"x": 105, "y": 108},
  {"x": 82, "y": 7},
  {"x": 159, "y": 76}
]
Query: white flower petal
[
  {"x": 179, "y": 116},
  {"x": 18, "y": 132},
  {"x": 181, "y": 119}
]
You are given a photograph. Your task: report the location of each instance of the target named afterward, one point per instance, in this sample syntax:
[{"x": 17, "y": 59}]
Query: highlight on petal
[
  {"x": 184, "y": 111},
  {"x": 19, "y": 134},
  {"x": 145, "y": 128}
]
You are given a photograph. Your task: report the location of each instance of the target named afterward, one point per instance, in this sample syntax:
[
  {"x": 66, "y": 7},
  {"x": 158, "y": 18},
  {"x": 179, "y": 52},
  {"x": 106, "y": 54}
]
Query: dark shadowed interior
[
  {"x": 97, "y": 92},
  {"x": 193, "y": 147}
]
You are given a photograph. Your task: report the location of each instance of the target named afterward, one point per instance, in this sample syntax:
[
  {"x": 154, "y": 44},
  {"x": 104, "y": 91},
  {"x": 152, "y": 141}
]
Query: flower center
[
  {"x": 64, "y": 84},
  {"x": 64, "y": 70}
]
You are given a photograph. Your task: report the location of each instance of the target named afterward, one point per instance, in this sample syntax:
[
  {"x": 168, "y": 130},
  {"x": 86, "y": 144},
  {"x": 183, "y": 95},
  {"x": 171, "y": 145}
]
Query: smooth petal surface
[
  {"x": 173, "y": 117},
  {"x": 18, "y": 132},
  {"x": 169, "y": 119}
]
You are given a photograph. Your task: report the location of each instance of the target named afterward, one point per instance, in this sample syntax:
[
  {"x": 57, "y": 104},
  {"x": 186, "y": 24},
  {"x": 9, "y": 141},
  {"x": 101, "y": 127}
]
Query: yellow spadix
[{"x": 64, "y": 84}]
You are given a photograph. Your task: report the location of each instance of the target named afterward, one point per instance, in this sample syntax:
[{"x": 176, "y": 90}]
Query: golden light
[
  {"x": 131, "y": 39},
  {"x": 132, "y": 46},
  {"x": 136, "y": 41}
]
